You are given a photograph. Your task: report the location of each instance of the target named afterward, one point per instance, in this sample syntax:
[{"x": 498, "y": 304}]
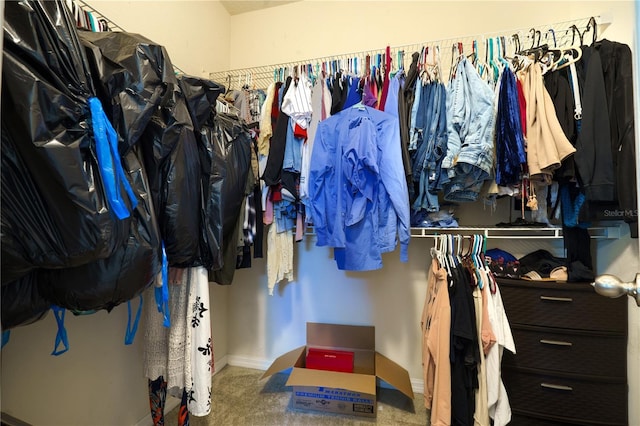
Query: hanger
[
  {"x": 436, "y": 250},
  {"x": 571, "y": 55},
  {"x": 533, "y": 35},
  {"x": 457, "y": 57},
  {"x": 492, "y": 63},
  {"x": 516, "y": 40},
  {"x": 502, "y": 51},
  {"x": 575, "y": 30},
  {"x": 592, "y": 21},
  {"x": 441, "y": 252}
]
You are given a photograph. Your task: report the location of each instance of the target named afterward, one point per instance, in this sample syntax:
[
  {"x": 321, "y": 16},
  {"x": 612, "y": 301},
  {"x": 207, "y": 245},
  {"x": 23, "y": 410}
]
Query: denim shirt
[
  {"x": 470, "y": 119},
  {"x": 358, "y": 191}
]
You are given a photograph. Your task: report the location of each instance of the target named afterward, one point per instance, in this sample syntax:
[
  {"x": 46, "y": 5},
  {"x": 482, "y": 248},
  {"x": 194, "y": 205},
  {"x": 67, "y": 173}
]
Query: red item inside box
[{"x": 332, "y": 360}]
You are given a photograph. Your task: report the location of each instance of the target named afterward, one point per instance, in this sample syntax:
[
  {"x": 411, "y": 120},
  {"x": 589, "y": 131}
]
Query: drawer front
[
  {"x": 528, "y": 419},
  {"x": 521, "y": 420},
  {"x": 587, "y": 402},
  {"x": 563, "y": 308},
  {"x": 598, "y": 355}
]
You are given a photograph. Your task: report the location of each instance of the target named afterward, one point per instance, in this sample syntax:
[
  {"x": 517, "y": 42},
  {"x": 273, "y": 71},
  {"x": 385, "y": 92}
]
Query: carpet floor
[{"x": 239, "y": 397}]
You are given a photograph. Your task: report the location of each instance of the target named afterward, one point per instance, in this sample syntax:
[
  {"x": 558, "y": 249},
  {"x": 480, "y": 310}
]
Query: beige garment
[
  {"x": 266, "y": 130},
  {"x": 436, "y": 338},
  {"x": 279, "y": 257},
  {"x": 547, "y": 145},
  {"x": 164, "y": 348}
]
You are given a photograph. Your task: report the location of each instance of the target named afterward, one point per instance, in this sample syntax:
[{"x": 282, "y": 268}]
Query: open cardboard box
[{"x": 337, "y": 392}]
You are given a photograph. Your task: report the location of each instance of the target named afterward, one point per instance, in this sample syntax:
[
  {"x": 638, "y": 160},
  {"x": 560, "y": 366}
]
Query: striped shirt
[{"x": 296, "y": 103}]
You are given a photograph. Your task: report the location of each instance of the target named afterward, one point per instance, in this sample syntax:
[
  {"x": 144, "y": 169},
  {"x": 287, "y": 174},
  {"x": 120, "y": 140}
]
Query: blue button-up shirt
[{"x": 358, "y": 191}]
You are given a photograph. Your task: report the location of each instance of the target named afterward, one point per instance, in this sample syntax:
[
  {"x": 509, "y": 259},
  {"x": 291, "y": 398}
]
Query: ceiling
[{"x": 236, "y": 7}]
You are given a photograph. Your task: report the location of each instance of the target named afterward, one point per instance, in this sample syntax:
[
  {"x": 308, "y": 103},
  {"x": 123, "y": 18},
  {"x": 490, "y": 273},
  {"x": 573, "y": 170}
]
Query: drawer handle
[
  {"x": 557, "y": 299},
  {"x": 557, "y": 387},
  {"x": 555, "y": 342}
]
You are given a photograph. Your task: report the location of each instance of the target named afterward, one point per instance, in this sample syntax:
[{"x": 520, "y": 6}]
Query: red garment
[
  {"x": 523, "y": 107},
  {"x": 275, "y": 106},
  {"x": 299, "y": 132},
  {"x": 276, "y": 193},
  {"x": 385, "y": 84}
]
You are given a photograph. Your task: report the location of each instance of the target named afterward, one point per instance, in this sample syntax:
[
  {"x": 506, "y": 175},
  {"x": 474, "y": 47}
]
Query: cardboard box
[
  {"x": 329, "y": 359},
  {"x": 340, "y": 392}
]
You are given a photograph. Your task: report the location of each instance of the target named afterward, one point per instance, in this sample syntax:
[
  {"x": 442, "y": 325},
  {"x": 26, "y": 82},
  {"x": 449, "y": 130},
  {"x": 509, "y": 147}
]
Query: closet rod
[
  {"x": 112, "y": 25},
  {"x": 262, "y": 76}
]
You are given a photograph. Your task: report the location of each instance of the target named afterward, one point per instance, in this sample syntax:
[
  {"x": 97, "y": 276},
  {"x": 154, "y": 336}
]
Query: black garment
[
  {"x": 236, "y": 139},
  {"x": 577, "y": 243},
  {"x": 258, "y": 240},
  {"x": 618, "y": 83},
  {"x": 464, "y": 352},
  {"x": 616, "y": 92},
  {"x": 575, "y": 235},
  {"x": 559, "y": 88},
  {"x": 273, "y": 170},
  {"x": 540, "y": 261},
  {"x": 339, "y": 94},
  {"x": 593, "y": 155},
  {"x": 406, "y": 96}
]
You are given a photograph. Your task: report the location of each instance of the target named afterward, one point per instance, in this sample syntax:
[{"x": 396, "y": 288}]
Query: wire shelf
[{"x": 558, "y": 34}]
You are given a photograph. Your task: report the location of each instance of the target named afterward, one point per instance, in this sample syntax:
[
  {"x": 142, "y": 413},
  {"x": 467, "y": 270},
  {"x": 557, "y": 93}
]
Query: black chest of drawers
[{"x": 570, "y": 365}]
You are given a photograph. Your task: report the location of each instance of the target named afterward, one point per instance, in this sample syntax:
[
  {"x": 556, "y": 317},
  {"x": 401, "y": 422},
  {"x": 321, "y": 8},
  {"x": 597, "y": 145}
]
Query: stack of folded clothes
[{"x": 539, "y": 265}]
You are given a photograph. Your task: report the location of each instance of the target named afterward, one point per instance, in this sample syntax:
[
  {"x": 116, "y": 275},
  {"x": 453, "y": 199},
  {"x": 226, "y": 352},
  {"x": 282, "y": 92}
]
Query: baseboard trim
[
  {"x": 219, "y": 365},
  {"x": 248, "y": 362},
  {"x": 417, "y": 385},
  {"x": 171, "y": 402}
]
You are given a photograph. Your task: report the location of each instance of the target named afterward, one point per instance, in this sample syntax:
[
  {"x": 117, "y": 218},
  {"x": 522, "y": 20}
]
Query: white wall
[
  {"x": 195, "y": 33},
  {"x": 99, "y": 382}
]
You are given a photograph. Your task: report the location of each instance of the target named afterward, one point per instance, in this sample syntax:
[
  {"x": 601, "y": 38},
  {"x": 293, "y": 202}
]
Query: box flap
[
  {"x": 363, "y": 383},
  {"x": 393, "y": 374},
  {"x": 341, "y": 336},
  {"x": 290, "y": 359}
]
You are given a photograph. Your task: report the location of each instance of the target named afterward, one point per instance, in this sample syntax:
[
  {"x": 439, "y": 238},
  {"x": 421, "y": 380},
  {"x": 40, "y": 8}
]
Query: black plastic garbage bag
[
  {"x": 22, "y": 303},
  {"x": 137, "y": 80},
  {"x": 234, "y": 137},
  {"x": 106, "y": 283},
  {"x": 78, "y": 230},
  {"x": 201, "y": 97},
  {"x": 129, "y": 71},
  {"x": 172, "y": 162},
  {"x": 82, "y": 203},
  {"x": 100, "y": 284}
]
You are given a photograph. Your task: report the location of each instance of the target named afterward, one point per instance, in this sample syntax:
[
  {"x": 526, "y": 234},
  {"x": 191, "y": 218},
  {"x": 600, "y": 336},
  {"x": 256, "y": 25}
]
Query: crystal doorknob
[{"x": 612, "y": 286}]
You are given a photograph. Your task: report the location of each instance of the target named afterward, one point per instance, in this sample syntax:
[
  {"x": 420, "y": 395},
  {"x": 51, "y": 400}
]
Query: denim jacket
[{"x": 470, "y": 120}]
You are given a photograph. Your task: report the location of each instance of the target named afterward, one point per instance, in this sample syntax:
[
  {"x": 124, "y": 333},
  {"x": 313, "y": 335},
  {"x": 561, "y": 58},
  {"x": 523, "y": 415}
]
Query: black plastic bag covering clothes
[
  {"x": 136, "y": 79},
  {"x": 101, "y": 284},
  {"x": 173, "y": 165},
  {"x": 201, "y": 99},
  {"x": 129, "y": 72},
  {"x": 234, "y": 137},
  {"x": 22, "y": 303},
  {"x": 106, "y": 283},
  {"x": 52, "y": 191},
  {"x": 45, "y": 115}
]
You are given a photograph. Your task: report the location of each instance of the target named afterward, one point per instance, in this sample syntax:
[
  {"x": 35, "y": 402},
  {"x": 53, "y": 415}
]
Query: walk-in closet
[{"x": 197, "y": 193}]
